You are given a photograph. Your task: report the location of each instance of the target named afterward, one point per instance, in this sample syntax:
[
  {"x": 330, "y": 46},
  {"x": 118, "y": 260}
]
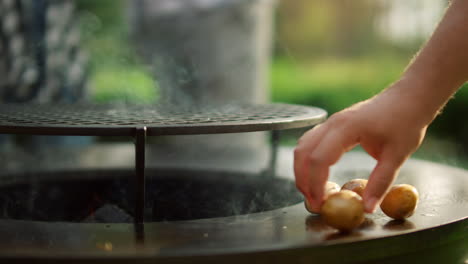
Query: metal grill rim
[{"x": 105, "y": 119}]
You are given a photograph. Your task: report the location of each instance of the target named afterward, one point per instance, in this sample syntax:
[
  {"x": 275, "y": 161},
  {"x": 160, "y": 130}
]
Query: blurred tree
[
  {"x": 117, "y": 72},
  {"x": 109, "y": 12},
  {"x": 327, "y": 27}
]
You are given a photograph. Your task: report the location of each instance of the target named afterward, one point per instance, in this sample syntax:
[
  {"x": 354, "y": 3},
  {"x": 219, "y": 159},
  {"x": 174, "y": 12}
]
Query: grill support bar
[
  {"x": 275, "y": 139},
  {"x": 140, "y": 140},
  {"x": 270, "y": 170}
]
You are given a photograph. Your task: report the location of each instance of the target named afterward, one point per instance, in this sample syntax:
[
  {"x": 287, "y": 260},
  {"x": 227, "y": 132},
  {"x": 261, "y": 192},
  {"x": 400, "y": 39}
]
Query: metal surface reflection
[{"x": 284, "y": 234}]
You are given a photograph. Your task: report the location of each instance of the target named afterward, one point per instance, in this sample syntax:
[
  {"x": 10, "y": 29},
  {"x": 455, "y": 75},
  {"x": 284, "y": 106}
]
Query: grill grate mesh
[{"x": 95, "y": 119}]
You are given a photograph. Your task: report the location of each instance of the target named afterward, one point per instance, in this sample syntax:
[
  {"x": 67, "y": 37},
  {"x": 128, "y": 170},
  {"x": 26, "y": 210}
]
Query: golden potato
[
  {"x": 330, "y": 187},
  {"x": 343, "y": 210},
  {"x": 400, "y": 202},
  {"x": 356, "y": 185}
]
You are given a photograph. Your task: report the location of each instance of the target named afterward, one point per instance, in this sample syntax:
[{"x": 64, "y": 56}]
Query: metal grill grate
[{"x": 86, "y": 119}]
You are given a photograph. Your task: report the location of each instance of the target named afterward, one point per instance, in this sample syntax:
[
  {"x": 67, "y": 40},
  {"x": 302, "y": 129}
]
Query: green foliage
[
  {"x": 313, "y": 29},
  {"x": 335, "y": 84},
  {"x": 451, "y": 124},
  {"x": 332, "y": 84},
  {"x": 117, "y": 72},
  {"x": 109, "y": 12},
  {"x": 124, "y": 84}
]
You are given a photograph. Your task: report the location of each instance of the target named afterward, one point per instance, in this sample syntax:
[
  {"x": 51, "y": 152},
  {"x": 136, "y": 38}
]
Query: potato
[
  {"x": 343, "y": 210},
  {"x": 356, "y": 185},
  {"x": 330, "y": 187},
  {"x": 400, "y": 202}
]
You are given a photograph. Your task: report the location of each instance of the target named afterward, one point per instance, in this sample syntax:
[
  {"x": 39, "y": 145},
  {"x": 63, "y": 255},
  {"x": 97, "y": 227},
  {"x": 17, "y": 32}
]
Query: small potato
[
  {"x": 343, "y": 210},
  {"x": 330, "y": 187},
  {"x": 400, "y": 202},
  {"x": 356, "y": 185}
]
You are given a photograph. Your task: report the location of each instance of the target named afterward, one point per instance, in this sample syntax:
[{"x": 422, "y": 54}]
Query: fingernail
[
  {"x": 311, "y": 206},
  {"x": 316, "y": 205},
  {"x": 371, "y": 204}
]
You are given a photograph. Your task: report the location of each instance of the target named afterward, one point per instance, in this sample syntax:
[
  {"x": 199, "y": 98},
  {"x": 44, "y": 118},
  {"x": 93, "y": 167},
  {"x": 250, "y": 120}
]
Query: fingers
[
  {"x": 380, "y": 181},
  {"x": 313, "y": 159},
  {"x": 322, "y": 147},
  {"x": 305, "y": 145}
]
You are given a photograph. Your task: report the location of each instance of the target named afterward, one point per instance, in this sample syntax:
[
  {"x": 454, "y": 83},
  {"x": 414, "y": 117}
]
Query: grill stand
[
  {"x": 275, "y": 139},
  {"x": 140, "y": 143},
  {"x": 140, "y": 140},
  {"x": 142, "y": 121},
  {"x": 140, "y": 179},
  {"x": 270, "y": 170}
]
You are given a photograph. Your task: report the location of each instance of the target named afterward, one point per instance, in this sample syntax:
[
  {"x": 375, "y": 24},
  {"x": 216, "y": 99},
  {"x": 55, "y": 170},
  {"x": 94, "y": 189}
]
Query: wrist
[{"x": 418, "y": 98}]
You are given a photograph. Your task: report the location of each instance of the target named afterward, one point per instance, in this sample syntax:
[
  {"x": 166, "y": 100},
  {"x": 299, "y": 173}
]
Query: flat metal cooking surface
[
  {"x": 88, "y": 119},
  {"x": 287, "y": 235}
]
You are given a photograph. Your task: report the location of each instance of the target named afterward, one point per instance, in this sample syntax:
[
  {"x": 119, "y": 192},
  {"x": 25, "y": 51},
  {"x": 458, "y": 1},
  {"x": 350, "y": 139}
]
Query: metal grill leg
[
  {"x": 140, "y": 139},
  {"x": 275, "y": 139}
]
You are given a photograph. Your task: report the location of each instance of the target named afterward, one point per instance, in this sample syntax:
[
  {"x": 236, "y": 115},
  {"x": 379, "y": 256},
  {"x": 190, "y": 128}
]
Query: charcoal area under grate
[{"x": 108, "y": 196}]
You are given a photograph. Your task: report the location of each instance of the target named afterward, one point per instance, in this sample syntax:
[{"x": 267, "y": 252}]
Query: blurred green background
[{"x": 327, "y": 53}]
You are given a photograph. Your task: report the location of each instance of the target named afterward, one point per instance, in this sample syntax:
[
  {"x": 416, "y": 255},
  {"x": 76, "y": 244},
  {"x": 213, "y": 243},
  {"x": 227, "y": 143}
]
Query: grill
[
  {"x": 140, "y": 121},
  {"x": 179, "y": 215},
  {"x": 279, "y": 231},
  {"x": 143, "y": 212},
  {"x": 107, "y": 120}
]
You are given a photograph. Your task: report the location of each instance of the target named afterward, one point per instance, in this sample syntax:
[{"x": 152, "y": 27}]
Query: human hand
[{"x": 389, "y": 127}]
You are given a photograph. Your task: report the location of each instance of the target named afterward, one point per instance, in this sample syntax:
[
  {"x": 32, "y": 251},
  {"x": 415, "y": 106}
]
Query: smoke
[
  {"x": 215, "y": 53},
  {"x": 199, "y": 60}
]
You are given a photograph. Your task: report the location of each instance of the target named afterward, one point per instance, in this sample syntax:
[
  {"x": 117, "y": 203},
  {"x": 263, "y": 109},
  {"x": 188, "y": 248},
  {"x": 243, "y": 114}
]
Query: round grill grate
[{"x": 88, "y": 119}]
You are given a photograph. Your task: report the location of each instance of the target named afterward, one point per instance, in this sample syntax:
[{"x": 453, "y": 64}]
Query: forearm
[{"x": 441, "y": 67}]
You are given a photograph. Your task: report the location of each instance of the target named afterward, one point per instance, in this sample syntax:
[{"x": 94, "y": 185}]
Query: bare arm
[
  {"x": 391, "y": 125},
  {"x": 442, "y": 65}
]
